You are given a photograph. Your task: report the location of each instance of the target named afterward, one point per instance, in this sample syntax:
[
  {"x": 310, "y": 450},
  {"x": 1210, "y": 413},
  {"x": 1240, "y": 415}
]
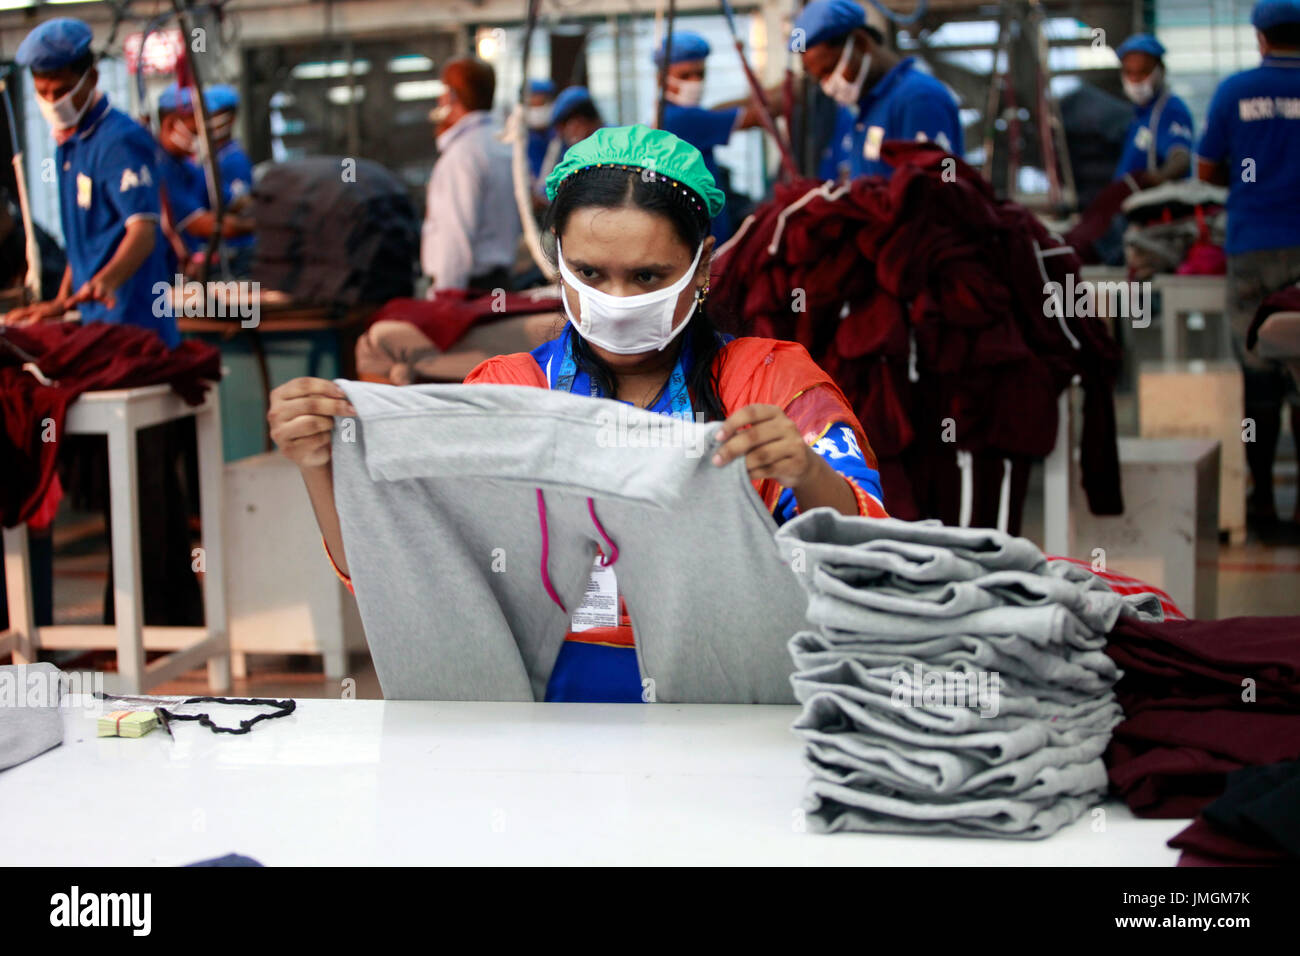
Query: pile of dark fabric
[
  {"x": 929, "y": 302},
  {"x": 334, "y": 234},
  {"x": 1202, "y": 700},
  {"x": 76, "y": 359},
  {"x": 1255, "y": 823}
]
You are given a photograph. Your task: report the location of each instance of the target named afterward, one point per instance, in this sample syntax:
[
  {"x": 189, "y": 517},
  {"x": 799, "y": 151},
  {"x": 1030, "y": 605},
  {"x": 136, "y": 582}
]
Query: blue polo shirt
[
  {"x": 183, "y": 193},
  {"x": 904, "y": 104},
  {"x": 1253, "y": 126},
  {"x": 704, "y": 129},
  {"x": 236, "y": 180},
  {"x": 539, "y": 140},
  {"x": 1158, "y": 129},
  {"x": 108, "y": 177}
]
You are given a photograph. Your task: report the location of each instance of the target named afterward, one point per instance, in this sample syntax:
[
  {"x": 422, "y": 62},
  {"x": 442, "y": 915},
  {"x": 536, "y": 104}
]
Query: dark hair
[
  {"x": 612, "y": 187},
  {"x": 80, "y": 66},
  {"x": 472, "y": 80},
  {"x": 1284, "y": 35},
  {"x": 583, "y": 110}
]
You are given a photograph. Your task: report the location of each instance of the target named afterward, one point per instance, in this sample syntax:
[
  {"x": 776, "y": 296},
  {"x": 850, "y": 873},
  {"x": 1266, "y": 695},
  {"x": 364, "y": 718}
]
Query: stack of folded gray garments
[{"x": 955, "y": 683}]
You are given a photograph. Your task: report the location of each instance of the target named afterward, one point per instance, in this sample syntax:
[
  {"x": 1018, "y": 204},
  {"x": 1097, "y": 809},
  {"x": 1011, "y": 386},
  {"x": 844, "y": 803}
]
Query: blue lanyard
[{"x": 675, "y": 400}]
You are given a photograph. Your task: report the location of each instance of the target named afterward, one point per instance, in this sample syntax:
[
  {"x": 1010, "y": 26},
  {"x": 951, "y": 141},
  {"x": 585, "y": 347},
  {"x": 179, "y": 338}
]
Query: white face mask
[
  {"x": 840, "y": 89},
  {"x": 688, "y": 93},
  {"x": 538, "y": 117},
  {"x": 1144, "y": 91},
  {"x": 62, "y": 113},
  {"x": 628, "y": 324}
]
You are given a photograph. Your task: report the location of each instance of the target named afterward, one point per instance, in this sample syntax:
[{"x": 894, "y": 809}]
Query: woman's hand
[
  {"x": 302, "y": 416},
  {"x": 771, "y": 445}
]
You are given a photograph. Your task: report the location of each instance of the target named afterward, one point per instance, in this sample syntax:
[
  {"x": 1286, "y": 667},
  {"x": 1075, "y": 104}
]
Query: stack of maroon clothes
[
  {"x": 76, "y": 359},
  {"x": 1202, "y": 700},
  {"x": 925, "y": 297}
]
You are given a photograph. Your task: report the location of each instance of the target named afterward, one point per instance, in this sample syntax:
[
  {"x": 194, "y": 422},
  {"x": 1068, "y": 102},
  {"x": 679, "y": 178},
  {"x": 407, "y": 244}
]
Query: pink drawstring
[
  {"x": 546, "y": 550},
  {"x": 612, "y": 553},
  {"x": 606, "y": 560}
]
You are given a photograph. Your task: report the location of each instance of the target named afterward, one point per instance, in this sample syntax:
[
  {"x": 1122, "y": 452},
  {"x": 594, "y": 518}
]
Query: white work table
[{"x": 363, "y": 782}]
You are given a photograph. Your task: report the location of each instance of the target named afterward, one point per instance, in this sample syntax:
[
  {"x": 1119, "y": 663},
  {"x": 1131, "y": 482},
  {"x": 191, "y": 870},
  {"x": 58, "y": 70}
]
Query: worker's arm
[
  {"x": 750, "y": 112},
  {"x": 1216, "y": 174},
  {"x": 202, "y": 222},
  {"x": 42, "y": 311},
  {"x": 301, "y": 416},
  {"x": 1176, "y": 166},
  {"x": 136, "y": 245}
]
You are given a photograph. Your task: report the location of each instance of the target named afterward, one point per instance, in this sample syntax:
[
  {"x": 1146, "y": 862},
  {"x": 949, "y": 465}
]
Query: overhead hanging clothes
[{"x": 927, "y": 300}]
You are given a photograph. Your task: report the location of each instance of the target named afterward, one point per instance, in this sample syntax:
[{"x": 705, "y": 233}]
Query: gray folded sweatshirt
[
  {"x": 437, "y": 489},
  {"x": 30, "y": 723}
]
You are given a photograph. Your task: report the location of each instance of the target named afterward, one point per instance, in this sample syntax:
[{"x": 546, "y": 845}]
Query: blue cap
[
  {"x": 1141, "y": 43},
  {"x": 545, "y": 87},
  {"x": 686, "y": 46},
  {"x": 175, "y": 98},
  {"x": 825, "y": 21},
  {"x": 220, "y": 97},
  {"x": 1274, "y": 13},
  {"x": 54, "y": 45},
  {"x": 570, "y": 98}
]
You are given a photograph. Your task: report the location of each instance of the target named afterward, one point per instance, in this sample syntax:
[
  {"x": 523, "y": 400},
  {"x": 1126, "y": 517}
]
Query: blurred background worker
[
  {"x": 537, "y": 115},
  {"x": 471, "y": 223},
  {"x": 1251, "y": 145},
  {"x": 187, "y": 220},
  {"x": 236, "y": 172},
  {"x": 883, "y": 96},
  {"x": 704, "y": 128},
  {"x": 108, "y": 189},
  {"x": 1158, "y": 144},
  {"x": 574, "y": 117}
]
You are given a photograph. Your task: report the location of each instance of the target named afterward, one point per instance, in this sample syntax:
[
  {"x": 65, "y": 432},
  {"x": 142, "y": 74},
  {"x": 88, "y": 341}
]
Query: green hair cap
[{"x": 655, "y": 152}]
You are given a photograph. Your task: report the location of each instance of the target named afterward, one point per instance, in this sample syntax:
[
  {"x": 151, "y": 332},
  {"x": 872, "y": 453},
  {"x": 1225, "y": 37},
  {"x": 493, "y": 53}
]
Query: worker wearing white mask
[
  {"x": 882, "y": 96},
  {"x": 1158, "y": 145},
  {"x": 108, "y": 189},
  {"x": 704, "y": 128},
  {"x": 471, "y": 223}
]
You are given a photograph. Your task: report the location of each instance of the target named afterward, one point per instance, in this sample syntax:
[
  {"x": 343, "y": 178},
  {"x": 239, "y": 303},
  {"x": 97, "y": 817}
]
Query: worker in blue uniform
[
  {"x": 1251, "y": 143},
  {"x": 882, "y": 95},
  {"x": 705, "y": 128},
  {"x": 537, "y": 117},
  {"x": 236, "y": 172},
  {"x": 108, "y": 189},
  {"x": 1158, "y": 144}
]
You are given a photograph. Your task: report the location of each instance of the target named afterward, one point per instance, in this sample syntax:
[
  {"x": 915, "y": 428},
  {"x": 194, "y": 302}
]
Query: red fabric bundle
[
  {"x": 77, "y": 358},
  {"x": 452, "y": 312}
]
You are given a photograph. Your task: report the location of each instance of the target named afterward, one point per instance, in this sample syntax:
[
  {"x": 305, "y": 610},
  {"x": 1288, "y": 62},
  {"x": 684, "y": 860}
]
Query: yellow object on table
[{"x": 127, "y": 723}]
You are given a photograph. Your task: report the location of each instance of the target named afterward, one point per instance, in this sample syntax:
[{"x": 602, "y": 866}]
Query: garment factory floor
[{"x": 1254, "y": 579}]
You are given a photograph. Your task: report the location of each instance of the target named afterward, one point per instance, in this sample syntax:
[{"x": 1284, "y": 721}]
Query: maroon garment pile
[
  {"x": 924, "y": 296},
  {"x": 452, "y": 312},
  {"x": 1201, "y": 699},
  {"x": 77, "y": 358}
]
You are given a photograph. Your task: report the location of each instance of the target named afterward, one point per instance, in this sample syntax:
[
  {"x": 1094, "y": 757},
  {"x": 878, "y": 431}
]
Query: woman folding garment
[{"x": 630, "y": 211}]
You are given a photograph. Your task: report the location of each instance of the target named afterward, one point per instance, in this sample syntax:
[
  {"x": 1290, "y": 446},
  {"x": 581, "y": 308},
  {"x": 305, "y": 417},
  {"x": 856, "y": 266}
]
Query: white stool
[{"x": 120, "y": 414}]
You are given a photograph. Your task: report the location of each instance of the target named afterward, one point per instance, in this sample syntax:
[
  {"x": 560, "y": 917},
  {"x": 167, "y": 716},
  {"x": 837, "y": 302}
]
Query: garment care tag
[{"x": 599, "y": 607}]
